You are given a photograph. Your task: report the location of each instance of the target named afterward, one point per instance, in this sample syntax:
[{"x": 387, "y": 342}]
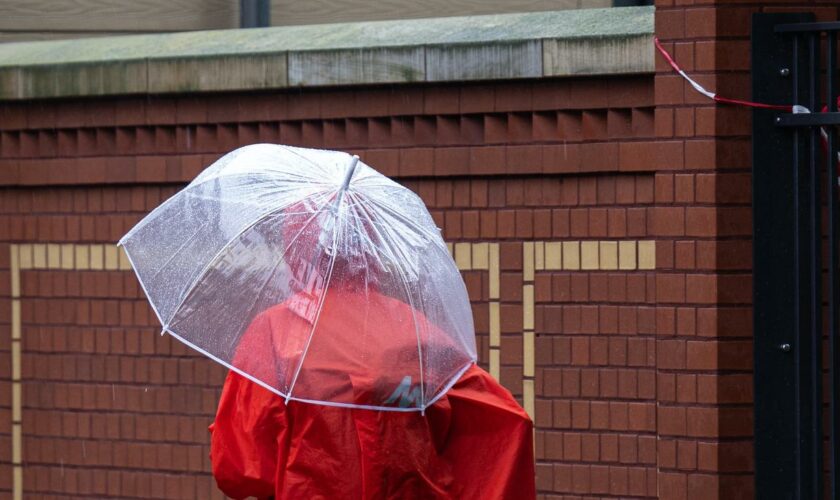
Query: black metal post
[
  {"x": 831, "y": 168},
  {"x": 812, "y": 333},
  {"x": 782, "y": 265}
]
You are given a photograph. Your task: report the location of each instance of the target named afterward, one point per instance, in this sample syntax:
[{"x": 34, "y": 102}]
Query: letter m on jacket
[{"x": 404, "y": 395}]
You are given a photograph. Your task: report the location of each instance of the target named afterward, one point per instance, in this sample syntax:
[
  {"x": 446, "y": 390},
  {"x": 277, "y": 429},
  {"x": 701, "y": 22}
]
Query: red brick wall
[
  {"x": 702, "y": 223},
  {"x": 110, "y": 408}
]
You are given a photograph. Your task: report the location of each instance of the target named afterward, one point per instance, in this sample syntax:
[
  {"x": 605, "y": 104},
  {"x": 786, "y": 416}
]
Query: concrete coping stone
[{"x": 488, "y": 47}]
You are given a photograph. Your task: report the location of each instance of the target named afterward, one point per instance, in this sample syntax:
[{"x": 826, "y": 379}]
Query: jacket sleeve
[
  {"x": 249, "y": 425},
  {"x": 489, "y": 431},
  {"x": 246, "y": 439}
]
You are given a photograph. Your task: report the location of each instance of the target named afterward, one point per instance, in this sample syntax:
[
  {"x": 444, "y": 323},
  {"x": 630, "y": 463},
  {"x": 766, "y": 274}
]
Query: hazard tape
[
  {"x": 711, "y": 95},
  {"x": 790, "y": 108}
]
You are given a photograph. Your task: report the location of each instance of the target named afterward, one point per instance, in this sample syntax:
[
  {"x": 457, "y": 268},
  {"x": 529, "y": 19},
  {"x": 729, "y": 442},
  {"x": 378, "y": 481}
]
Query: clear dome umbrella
[{"x": 311, "y": 274}]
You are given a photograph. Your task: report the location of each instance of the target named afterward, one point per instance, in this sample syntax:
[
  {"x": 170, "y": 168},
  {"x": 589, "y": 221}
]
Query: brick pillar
[{"x": 702, "y": 223}]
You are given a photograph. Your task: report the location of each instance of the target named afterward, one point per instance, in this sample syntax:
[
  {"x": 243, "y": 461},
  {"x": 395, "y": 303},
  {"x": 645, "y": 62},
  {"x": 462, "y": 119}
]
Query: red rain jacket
[{"x": 475, "y": 442}]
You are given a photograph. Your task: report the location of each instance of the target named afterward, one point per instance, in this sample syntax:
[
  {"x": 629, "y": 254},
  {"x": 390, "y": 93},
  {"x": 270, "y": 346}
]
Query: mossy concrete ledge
[{"x": 505, "y": 46}]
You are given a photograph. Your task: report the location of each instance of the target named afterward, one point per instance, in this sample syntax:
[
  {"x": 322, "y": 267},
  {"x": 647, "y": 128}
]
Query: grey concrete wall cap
[{"x": 620, "y": 40}]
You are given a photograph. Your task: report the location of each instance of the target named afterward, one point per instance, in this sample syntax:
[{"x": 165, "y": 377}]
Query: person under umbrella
[{"x": 327, "y": 290}]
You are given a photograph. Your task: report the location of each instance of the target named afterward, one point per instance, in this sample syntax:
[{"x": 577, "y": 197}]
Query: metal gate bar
[
  {"x": 834, "y": 352},
  {"x": 789, "y": 165}
]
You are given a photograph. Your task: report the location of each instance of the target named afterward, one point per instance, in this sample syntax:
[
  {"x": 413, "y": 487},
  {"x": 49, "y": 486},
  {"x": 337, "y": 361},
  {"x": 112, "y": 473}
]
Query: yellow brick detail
[
  {"x": 528, "y": 397},
  {"x": 25, "y": 253},
  {"x": 528, "y": 354},
  {"x": 539, "y": 256},
  {"x": 480, "y": 256},
  {"x": 82, "y": 257},
  {"x": 17, "y": 480},
  {"x": 15, "y": 319},
  {"x": 463, "y": 256},
  {"x": 609, "y": 255},
  {"x": 39, "y": 256},
  {"x": 14, "y": 270},
  {"x": 67, "y": 256},
  {"x": 571, "y": 255},
  {"x": 495, "y": 324},
  {"x": 125, "y": 264},
  {"x": 16, "y": 360},
  {"x": 528, "y": 307},
  {"x": 97, "y": 257},
  {"x": 528, "y": 261},
  {"x": 112, "y": 258},
  {"x": 647, "y": 255},
  {"x": 494, "y": 271},
  {"x": 16, "y": 402},
  {"x": 53, "y": 256},
  {"x": 627, "y": 255},
  {"x": 589, "y": 255},
  {"x": 554, "y": 256},
  {"x": 495, "y": 364}
]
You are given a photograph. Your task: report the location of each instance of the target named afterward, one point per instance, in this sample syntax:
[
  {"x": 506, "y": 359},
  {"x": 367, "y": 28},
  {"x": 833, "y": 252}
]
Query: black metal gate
[{"x": 795, "y": 274}]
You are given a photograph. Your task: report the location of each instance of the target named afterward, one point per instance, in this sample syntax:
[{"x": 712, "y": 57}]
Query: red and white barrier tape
[
  {"x": 711, "y": 95},
  {"x": 790, "y": 108}
]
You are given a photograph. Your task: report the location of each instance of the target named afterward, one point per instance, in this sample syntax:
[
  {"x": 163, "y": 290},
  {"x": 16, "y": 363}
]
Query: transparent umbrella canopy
[{"x": 311, "y": 274}]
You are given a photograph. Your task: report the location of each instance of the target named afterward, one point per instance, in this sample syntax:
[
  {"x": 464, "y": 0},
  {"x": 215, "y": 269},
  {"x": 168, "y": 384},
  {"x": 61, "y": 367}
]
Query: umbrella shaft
[
  {"x": 346, "y": 183},
  {"x": 351, "y": 169}
]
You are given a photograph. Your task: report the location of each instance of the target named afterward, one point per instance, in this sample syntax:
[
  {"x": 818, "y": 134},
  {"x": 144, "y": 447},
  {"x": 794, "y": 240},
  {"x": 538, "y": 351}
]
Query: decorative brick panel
[{"x": 549, "y": 192}]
